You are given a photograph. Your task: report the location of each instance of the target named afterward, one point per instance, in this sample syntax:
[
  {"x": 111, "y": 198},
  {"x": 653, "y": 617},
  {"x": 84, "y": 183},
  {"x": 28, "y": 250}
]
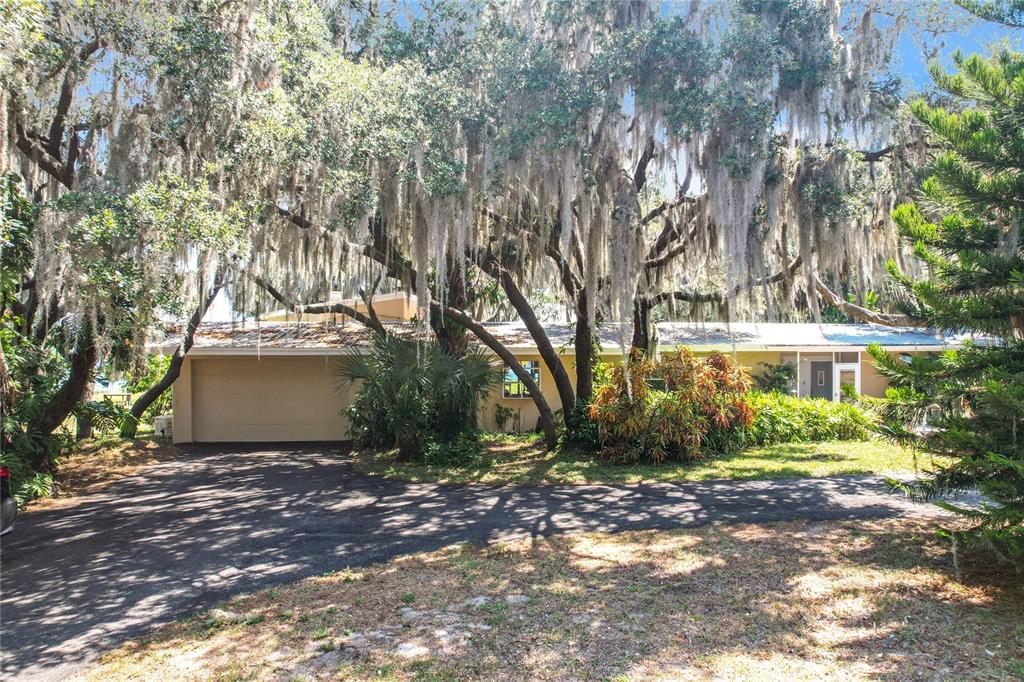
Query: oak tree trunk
[
  {"x": 546, "y": 420},
  {"x": 131, "y": 426},
  {"x": 544, "y": 348},
  {"x": 70, "y": 393}
]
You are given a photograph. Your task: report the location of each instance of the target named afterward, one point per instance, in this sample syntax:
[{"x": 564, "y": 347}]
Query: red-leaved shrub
[{"x": 700, "y": 412}]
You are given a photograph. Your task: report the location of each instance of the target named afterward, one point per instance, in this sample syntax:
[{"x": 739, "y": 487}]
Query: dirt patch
[
  {"x": 96, "y": 464},
  {"x": 843, "y": 600}
]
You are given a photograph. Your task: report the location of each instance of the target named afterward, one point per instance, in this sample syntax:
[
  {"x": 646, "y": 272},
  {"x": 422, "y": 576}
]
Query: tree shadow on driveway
[{"x": 186, "y": 534}]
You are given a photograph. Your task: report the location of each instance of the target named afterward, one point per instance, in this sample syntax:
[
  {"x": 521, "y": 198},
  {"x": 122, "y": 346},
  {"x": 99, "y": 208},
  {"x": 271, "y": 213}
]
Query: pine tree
[{"x": 966, "y": 227}]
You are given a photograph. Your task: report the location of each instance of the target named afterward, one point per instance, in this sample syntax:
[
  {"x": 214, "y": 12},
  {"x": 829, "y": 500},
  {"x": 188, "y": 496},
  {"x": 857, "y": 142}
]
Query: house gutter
[{"x": 252, "y": 351}]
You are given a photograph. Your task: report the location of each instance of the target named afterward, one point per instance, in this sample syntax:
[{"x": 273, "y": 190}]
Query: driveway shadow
[{"x": 186, "y": 534}]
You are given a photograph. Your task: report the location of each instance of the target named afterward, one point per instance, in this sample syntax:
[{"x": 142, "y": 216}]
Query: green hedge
[{"x": 781, "y": 418}]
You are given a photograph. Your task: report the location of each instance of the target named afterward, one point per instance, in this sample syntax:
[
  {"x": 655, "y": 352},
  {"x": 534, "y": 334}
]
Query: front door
[{"x": 821, "y": 379}]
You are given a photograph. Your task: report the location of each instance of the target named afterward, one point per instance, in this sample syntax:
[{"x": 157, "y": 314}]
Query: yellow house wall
[
  {"x": 526, "y": 413},
  {"x": 753, "y": 360}
]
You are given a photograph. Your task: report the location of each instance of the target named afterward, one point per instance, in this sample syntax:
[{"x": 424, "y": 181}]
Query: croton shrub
[{"x": 683, "y": 407}]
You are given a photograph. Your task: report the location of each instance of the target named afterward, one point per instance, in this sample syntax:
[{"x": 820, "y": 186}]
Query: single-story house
[{"x": 276, "y": 380}]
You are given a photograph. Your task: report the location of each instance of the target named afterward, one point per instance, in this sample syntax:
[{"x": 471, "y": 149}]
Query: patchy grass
[
  {"x": 97, "y": 462},
  {"x": 839, "y": 600},
  {"x": 524, "y": 460}
]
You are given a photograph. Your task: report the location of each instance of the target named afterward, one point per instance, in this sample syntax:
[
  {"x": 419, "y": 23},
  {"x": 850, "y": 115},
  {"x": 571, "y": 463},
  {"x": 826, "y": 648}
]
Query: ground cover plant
[
  {"x": 803, "y": 601},
  {"x": 781, "y": 418}
]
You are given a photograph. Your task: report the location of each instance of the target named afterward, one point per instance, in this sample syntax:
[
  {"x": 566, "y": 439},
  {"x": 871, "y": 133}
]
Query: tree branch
[
  {"x": 871, "y": 157},
  {"x": 40, "y": 156},
  {"x": 130, "y": 427},
  {"x": 860, "y": 313},
  {"x": 492, "y": 267},
  {"x": 718, "y": 297},
  {"x": 294, "y": 219},
  {"x": 640, "y": 172},
  {"x": 319, "y": 308},
  {"x": 681, "y": 198}
]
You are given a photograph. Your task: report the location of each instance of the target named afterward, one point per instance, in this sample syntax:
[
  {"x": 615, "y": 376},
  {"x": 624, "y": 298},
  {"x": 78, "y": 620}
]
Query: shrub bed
[{"x": 781, "y": 418}]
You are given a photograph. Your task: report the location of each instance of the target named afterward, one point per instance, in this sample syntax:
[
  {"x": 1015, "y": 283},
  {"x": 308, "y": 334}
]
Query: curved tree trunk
[
  {"x": 70, "y": 393},
  {"x": 403, "y": 271},
  {"x": 544, "y": 348},
  {"x": 131, "y": 426},
  {"x": 546, "y": 419}
]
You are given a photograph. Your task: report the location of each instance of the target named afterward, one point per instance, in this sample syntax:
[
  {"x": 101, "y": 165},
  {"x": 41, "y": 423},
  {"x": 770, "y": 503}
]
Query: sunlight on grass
[
  {"x": 96, "y": 462},
  {"x": 518, "y": 460},
  {"x": 800, "y": 600}
]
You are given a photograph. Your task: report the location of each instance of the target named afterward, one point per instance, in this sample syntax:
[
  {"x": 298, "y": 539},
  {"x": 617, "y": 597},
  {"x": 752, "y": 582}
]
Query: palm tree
[{"x": 412, "y": 393}]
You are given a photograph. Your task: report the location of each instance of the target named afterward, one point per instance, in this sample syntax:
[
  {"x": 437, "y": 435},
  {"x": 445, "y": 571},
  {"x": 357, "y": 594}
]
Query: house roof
[
  {"x": 792, "y": 335},
  {"x": 225, "y": 338}
]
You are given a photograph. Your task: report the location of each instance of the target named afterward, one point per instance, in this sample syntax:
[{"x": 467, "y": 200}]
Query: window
[
  {"x": 513, "y": 387},
  {"x": 849, "y": 358},
  {"x": 847, "y": 385},
  {"x": 656, "y": 383},
  {"x": 821, "y": 377}
]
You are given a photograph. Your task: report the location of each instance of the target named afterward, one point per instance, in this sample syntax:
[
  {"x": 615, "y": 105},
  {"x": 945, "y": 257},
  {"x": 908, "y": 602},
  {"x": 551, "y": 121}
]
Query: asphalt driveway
[{"x": 183, "y": 535}]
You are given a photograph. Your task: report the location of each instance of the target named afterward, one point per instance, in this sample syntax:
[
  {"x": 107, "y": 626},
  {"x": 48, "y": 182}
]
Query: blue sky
[{"x": 910, "y": 62}]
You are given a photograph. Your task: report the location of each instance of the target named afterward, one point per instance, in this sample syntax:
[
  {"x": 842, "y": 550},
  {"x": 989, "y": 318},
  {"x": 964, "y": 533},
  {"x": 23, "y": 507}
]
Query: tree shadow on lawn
[
  {"x": 530, "y": 462},
  {"x": 800, "y": 452},
  {"x": 795, "y": 601}
]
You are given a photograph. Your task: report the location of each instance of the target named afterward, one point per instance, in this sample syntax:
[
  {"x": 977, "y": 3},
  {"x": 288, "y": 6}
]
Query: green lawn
[{"x": 524, "y": 460}]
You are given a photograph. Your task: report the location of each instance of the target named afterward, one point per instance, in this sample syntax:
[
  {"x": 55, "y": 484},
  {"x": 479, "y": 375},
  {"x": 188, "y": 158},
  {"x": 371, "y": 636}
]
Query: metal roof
[
  {"x": 327, "y": 337},
  {"x": 779, "y": 335}
]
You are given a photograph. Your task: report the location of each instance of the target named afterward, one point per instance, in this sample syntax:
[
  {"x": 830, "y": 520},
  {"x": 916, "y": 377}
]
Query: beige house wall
[
  {"x": 181, "y": 404},
  {"x": 872, "y": 383},
  {"x": 389, "y": 308},
  {"x": 229, "y": 399}
]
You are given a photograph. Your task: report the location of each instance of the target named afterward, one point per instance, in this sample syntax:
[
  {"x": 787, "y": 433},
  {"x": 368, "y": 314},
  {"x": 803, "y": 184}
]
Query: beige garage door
[{"x": 267, "y": 399}]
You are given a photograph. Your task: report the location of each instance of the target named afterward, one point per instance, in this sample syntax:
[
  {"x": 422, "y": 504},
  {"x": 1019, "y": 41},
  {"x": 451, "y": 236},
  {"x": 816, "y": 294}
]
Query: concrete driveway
[{"x": 183, "y": 535}]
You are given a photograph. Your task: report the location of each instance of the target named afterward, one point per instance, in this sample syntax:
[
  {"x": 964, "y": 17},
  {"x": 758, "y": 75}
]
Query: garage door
[{"x": 267, "y": 399}]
